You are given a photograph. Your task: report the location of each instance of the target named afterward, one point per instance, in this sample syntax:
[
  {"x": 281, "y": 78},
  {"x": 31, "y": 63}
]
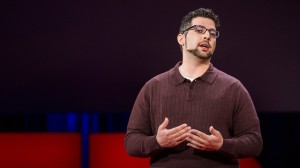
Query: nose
[{"x": 206, "y": 35}]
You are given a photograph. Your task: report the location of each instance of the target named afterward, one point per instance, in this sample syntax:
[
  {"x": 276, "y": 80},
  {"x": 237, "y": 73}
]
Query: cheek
[
  {"x": 191, "y": 42},
  {"x": 213, "y": 46}
]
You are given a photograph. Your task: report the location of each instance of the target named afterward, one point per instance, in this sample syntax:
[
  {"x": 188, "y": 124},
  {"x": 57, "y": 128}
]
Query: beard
[{"x": 197, "y": 53}]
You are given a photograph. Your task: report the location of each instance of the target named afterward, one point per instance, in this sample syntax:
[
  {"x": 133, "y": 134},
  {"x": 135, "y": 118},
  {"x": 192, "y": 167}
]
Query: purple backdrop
[{"x": 95, "y": 56}]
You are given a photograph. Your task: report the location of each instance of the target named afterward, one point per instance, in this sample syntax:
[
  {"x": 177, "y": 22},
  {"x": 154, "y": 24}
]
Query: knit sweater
[{"x": 214, "y": 99}]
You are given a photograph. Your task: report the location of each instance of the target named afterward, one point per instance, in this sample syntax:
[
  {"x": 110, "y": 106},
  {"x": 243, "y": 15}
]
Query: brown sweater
[{"x": 214, "y": 99}]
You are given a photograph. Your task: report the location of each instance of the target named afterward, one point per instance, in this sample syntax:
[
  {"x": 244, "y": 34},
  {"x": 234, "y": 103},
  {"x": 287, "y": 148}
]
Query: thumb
[
  {"x": 164, "y": 124},
  {"x": 213, "y": 131}
]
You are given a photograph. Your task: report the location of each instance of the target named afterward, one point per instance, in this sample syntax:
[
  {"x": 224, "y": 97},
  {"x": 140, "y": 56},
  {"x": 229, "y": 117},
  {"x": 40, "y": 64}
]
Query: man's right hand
[{"x": 171, "y": 137}]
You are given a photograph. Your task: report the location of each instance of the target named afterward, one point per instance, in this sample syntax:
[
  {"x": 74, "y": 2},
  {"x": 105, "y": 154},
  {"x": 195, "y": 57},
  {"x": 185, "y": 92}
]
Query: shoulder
[
  {"x": 160, "y": 78},
  {"x": 225, "y": 78},
  {"x": 233, "y": 84},
  {"x": 155, "y": 85}
]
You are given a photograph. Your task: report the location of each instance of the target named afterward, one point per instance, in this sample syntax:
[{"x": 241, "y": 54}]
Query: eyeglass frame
[{"x": 209, "y": 30}]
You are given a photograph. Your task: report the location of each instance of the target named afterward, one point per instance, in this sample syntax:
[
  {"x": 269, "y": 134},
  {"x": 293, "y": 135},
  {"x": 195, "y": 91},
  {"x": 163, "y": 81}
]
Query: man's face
[{"x": 199, "y": 44}]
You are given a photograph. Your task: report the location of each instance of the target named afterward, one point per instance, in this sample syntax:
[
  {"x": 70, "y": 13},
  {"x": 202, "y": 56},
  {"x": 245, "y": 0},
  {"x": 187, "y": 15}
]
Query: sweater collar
[{"x": 176, "y": 78}]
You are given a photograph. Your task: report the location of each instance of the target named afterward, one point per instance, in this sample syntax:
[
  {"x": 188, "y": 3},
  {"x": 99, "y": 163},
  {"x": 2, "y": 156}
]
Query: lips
[{"x": 204, "y": 44}]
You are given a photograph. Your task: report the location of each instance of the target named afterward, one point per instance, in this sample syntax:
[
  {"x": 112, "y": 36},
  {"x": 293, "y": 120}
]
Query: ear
[{"x": 180, "y": 39}]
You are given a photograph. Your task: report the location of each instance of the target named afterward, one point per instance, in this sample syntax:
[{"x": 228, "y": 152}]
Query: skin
[
  {"x": 172, "y": 137},
  {"x": 195, "y": 65},
  {"x": 195, "y": 62}
]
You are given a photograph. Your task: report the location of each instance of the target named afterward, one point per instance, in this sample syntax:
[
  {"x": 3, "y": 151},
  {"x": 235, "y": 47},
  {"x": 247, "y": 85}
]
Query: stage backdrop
[
  {"x": 96, "y": 55},
  {"x": 77, "y": 66}
]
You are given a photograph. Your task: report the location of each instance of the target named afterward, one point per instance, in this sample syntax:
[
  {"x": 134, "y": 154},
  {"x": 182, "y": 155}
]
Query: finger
[
  {"x": 199, "y": 134},
  {"x": 180, "y": 139},
  {"x": 196, "y": 139},
  {"x": 192, "y": 145},
  {"x": 204, "y": 148},
  {"x": 177, "y": 129},
  {"x": 164, "y": 124},
  {"x": 196, "y": 145},
  {"x": 214, "y": 132},
  {"x": 181, "y": 135}
]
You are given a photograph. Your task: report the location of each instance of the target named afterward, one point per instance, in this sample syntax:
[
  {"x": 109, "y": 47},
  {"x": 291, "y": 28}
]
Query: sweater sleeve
[
  {"x": 246, "y": 140},
  {"x": 140, "y": 141}
]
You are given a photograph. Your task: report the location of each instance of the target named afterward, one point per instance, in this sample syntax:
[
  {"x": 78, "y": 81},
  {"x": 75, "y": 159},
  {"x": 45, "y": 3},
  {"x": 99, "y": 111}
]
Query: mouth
[{"x": 204, "y": 45}]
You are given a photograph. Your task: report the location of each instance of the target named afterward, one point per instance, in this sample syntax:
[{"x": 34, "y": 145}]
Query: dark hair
[{"x": 201, "y": 12}]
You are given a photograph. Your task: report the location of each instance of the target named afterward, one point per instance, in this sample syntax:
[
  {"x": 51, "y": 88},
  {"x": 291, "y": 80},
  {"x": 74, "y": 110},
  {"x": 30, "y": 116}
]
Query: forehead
[{"x": 206, "y": 22}]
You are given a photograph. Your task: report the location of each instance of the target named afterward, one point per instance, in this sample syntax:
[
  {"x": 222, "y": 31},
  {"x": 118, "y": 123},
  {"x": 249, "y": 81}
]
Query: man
[{"x": 194, "y": 115}]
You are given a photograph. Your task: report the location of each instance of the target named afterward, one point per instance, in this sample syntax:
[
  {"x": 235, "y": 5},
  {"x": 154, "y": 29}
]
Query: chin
[{"x": 206, "y": 56}]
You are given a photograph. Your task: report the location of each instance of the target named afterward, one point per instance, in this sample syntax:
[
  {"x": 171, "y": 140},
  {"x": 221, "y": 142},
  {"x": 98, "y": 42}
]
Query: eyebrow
[{"x": 203, "y": 27}]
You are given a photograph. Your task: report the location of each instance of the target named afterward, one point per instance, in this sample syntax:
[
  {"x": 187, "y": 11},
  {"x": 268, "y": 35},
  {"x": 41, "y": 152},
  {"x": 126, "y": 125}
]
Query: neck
[{"x": 194, "y": 66}]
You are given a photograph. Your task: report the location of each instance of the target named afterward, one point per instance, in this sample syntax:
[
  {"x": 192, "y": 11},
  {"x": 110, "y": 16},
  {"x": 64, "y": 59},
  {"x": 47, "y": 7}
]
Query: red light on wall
[
  {"x": 107, "y": 150},
  {"x": 40, "y": 150}
]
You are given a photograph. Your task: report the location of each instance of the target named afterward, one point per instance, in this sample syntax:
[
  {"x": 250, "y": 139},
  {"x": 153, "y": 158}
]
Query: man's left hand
[{"x": 199, "y": 140}]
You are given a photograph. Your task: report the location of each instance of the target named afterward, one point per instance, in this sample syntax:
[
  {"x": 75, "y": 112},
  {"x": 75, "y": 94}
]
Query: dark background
[{"x": 94, "y": 56}]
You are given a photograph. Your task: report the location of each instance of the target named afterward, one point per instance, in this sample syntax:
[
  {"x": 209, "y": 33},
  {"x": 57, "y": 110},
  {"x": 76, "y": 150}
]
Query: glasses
[{"x": 201, "y": 29}]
